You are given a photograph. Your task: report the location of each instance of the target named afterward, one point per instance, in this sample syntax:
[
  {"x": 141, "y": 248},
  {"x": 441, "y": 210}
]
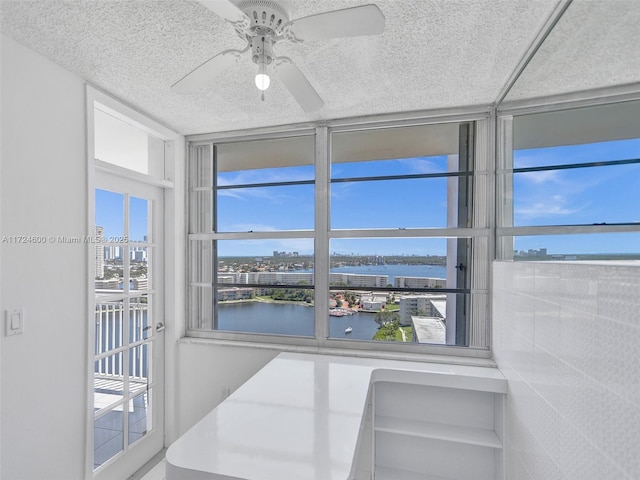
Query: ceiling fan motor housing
[
  {"x": 262, "y": 48},
  {"x": 266, "y": 16}
]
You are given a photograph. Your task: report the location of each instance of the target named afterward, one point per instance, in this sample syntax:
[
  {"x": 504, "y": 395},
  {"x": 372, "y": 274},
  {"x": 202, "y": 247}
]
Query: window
[
  {"x": 398, "y": 289},
  {"x": 263, "y": 197},
  {"x": 244, "y": 190},
  {"x": 385, "y": 183},
  {"x": 574, "y": 178},
  {"x": 124, "y": 301},
  {"x": 352, "y": 236},
  {"x": 117, "y": 141}
]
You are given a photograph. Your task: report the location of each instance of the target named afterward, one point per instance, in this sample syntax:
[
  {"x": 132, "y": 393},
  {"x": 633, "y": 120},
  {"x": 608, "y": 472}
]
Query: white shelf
[
  {"x": 438, "y": 431},
  {"x": 386, "y": 473},
  {"x": 284, "y": 387}
]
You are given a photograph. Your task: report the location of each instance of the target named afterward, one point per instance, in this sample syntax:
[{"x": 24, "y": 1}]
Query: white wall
[
  {"x": 43, "y": 192},
  {"x": 208, "y": 372},
  {"x": 566, "y": 336}
]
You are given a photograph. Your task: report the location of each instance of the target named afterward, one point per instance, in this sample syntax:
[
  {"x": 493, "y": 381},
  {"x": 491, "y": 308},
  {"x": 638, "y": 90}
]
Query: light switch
[{"x": 14, "y": 321}]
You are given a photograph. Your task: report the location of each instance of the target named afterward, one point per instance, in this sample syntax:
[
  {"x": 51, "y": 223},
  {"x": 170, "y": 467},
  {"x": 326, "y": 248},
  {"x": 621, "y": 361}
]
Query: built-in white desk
[{"x": 301, "y": 416}]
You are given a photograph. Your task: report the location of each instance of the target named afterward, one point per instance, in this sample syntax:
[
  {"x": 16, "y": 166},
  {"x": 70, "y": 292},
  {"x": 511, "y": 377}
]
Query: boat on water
[
  {"x": 348, "y": 330},
  {"x": 340, "y": 312}
]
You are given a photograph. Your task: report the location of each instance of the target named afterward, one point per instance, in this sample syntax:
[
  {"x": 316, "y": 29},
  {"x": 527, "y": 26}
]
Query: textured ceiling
[
  {"x": 595, "y": 44},
  {"x": 433, "y": 54}
]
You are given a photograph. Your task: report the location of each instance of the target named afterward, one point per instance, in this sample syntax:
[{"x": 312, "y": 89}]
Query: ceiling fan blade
[
  {"x": 202, "y": 75},
  {"x": 298, "y": 85},
  {"x": 225, "y": 9},
  {"x": 349, "y": 22}
]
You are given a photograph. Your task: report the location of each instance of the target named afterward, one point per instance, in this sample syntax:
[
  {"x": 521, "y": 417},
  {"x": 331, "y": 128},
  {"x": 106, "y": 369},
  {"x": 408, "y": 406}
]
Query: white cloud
[
  {"x": 230, "y": 194},
  {"x": 342, "y": 190},
  {"x": 262, "y": 194},
  {"x": 244, "y": 177},
  {"x": 555, "y": 205},
  {"x": 543, "y": 176},
  {"x": 422, "y": 165},
  {"x": 542, "y": 210}
]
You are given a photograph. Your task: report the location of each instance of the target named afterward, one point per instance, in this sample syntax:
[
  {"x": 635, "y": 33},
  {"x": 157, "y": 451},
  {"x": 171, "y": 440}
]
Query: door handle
[{"x": 159, "y": 327}]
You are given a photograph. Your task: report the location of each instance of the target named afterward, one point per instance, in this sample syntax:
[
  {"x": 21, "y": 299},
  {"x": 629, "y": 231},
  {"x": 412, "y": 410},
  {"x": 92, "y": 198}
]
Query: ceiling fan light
[
  {"x": 262, "y": 81},
  {"x": 262, "y": 78}
]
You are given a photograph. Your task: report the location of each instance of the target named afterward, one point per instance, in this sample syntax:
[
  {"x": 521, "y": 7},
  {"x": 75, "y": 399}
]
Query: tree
[
  {"x": 383, "y": 318},
  {"x": 351, "y": 298},
  {"x": 387, "y": 331}
]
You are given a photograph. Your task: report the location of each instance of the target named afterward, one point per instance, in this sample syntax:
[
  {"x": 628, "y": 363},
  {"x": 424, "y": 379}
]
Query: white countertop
[{"x": 300, "y": 416}]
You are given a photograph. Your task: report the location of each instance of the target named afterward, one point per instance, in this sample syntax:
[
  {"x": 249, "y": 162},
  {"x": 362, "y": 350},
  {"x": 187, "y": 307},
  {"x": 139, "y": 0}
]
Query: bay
[
  {"x": 298, "y": 320},
  {"x": 290, "y": 319}
]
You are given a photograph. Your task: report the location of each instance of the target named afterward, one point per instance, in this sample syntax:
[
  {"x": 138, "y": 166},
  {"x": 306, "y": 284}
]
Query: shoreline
[{"x": 265, "y": 300}]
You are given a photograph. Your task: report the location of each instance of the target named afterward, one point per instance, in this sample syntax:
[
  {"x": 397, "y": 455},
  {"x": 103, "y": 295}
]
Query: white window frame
[
  {"x": 505, "y": 231},
  {"x": 480, "y": 232}
]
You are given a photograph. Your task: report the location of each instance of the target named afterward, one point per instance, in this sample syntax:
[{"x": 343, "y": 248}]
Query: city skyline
[{"x": 109, "y": 214}]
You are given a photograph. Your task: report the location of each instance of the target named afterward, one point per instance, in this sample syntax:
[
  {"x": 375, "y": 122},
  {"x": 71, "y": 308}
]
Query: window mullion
[
  {"x": 212, "y": 261},
  {"x": 504, "y": 187},
  {"x": 321, "y": 241},
  {"x": 126, "y": 286}
]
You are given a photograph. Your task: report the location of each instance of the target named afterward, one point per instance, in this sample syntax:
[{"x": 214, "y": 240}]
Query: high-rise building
[
  {"x": 422, "y": 305},
  {"x": 419, "y": 282}
]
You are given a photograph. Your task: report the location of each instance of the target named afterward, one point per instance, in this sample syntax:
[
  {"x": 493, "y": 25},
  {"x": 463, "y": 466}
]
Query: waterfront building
[
  {"x": 229, "y": 278},
  {"x": 374, "y": 302},
  {"x": 422, "y": 305},
  {"x": 140, "y": 283},
  {"x": 235, "y": 293},
  {"x": 419, "y": 282},
  {"x": 359, "y": 280},
  {"x": 108, "y": 284},
  {"x": 428, "y": 330},
  {"x": 281, "y": 278}
]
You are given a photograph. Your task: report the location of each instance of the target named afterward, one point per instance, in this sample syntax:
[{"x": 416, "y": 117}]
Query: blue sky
[
  {"x": 553, "y": 197},
  {"x": 578, "y": 196},
  {"x": 110, "y": 215}
]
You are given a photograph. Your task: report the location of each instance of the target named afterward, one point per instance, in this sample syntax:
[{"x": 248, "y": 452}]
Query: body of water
[{"x": 290, "y": 319}]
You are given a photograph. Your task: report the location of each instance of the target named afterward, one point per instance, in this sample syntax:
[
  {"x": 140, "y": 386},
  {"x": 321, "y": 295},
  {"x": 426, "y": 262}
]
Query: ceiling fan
[{"x": 263, "y": 23}]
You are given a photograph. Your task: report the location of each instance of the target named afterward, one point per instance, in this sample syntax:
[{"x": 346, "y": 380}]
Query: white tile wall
[{"x": 567, "y": 337}]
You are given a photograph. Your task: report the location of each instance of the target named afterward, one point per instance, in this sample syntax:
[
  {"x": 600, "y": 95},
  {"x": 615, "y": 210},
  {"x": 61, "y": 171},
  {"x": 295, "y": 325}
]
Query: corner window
[{"x": 574, "y": 177}]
